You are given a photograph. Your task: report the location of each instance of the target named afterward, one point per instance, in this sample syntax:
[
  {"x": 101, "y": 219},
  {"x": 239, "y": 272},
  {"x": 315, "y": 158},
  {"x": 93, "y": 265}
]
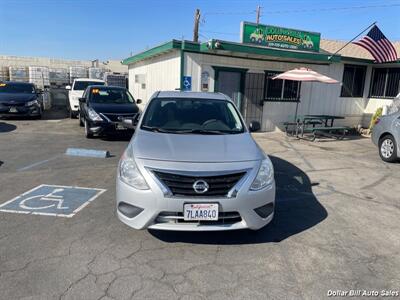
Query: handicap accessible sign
[
  {"x": 187, "y": 83},
  {"x": 52, "y": 200}
]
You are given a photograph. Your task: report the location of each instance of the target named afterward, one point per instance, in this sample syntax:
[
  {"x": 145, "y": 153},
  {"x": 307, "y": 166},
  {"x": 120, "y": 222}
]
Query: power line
[{"x": 306, "y": 10}]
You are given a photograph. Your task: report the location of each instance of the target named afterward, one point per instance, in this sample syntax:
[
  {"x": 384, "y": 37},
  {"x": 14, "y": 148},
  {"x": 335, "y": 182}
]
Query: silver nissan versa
[{"x": 193, "y": 165}]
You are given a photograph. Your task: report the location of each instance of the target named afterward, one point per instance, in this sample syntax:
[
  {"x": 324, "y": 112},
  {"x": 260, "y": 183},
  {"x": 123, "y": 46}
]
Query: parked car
[
  {"x": 193, "y": 165},
  {"x": 386, "y": 135},
  {"x": 103, "y": 108},
  {"x": 76, "y": 91},
  {"x": 20, "y": 99}
]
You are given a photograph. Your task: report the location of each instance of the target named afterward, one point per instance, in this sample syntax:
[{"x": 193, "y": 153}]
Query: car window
[
  {"x": 17, "y": 88},
  {"x": 200, "y": 116},
  {"x": 107, "y": 95},
  {"x": 82, "y": 85}
]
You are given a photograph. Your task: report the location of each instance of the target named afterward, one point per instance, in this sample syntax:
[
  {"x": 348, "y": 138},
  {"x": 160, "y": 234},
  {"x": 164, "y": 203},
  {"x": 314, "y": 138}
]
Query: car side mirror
[
  {"x": 138, "y": 101},
  {"x": 254, "y": 126},
  {"x": 82, "y": 100},
  {"x": 68, "y": 87},
  {"x": 128, "y": 123}
]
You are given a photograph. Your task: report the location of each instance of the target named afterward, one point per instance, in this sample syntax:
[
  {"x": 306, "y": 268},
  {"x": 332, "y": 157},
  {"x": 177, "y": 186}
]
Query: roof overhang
[{"x": 219, "y": 47}]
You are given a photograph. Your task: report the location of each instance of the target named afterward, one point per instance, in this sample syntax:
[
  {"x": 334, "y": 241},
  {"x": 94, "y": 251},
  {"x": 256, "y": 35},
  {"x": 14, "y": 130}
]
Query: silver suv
[{"x": 193, "y": 165}]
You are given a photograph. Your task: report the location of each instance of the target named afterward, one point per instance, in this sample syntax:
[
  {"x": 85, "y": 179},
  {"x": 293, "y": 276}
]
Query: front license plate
[
  {"x": 13, "y": 109},
  {"x": 200, "y": 212},
  {"x": 120, "y": 127}
]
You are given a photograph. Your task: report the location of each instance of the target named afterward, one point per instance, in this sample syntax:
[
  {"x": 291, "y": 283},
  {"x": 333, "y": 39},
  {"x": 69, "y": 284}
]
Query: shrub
[{"x": 376, "y": 115}]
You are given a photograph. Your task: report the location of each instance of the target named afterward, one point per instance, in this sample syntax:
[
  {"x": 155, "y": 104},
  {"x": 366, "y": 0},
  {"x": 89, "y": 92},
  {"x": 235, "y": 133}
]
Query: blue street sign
[
  {"x": 52, "y": 200},
  {"x": 187, "y": 83}
]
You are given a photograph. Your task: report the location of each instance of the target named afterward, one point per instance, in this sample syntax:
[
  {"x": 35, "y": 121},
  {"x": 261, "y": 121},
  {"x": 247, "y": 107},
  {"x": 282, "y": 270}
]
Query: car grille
[
  {"x": 117, "y": 117},
  {"x": 182, "y": 185},
  {"x": 177, "y": 218}
]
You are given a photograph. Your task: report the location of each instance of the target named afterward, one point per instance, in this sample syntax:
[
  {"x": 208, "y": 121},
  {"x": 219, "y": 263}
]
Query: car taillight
[{"x": 377, "y": 121}]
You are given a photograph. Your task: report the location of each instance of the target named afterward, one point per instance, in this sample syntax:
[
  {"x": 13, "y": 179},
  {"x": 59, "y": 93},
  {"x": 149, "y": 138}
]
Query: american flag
[{"x": 378, "y": 45}]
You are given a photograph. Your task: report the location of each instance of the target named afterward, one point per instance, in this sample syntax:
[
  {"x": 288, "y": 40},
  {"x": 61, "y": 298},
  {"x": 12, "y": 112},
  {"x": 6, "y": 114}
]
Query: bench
[{"x": 326, "y": 131}]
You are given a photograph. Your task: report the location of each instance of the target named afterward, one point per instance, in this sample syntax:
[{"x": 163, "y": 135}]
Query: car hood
[
  {"x": 195, "y": 147},
  {"x": 115, "y": 108},
  {"x": 17, "y": 97}
]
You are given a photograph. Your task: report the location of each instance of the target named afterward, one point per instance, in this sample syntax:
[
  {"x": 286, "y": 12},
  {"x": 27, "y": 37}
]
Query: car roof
[
  {"x": 197, "y": 95},
  {"x": 107, "y": 87},
  {"x": 88, "y": 79},
  {"x": 17, "y": 83}
]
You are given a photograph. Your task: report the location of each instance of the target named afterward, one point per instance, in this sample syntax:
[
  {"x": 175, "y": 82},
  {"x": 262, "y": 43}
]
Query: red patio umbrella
[{"x": 304, "y": 74}]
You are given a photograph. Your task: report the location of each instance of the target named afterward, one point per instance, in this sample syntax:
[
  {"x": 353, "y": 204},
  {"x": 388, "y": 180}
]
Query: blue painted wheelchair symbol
[
  {"x": 187, "y": 83},
  {"x": 52, "y": 200}
]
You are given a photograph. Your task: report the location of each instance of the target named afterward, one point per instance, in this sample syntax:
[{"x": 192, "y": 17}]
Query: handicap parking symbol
[
  {"x": 187, "y": 83},
  {"x": 52, "y": 200}
]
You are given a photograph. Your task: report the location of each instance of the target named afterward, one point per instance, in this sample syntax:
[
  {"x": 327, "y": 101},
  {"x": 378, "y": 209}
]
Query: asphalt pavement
[{"x": 336, "y": 226}]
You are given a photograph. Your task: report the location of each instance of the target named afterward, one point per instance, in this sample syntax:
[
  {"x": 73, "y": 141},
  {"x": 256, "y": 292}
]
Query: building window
[
  {"x": 385, "y": 82},
  {"x": 353, "y": 81},
  {"x": 280, "y": 90}
]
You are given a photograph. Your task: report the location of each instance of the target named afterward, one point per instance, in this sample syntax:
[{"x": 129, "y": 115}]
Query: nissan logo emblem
[{"x": 200, "y": 186}]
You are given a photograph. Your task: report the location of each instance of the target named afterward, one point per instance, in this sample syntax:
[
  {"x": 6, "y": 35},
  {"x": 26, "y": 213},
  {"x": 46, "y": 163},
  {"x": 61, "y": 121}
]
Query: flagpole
[{"x": 330, "y": 57}]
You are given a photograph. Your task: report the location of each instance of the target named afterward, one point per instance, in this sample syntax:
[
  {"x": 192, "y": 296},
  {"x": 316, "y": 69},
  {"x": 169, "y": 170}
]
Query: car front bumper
[
  {"x": 27, "y": 111},
  {"x": 158, "y": 211},
  {"x": 105, "y": 127}
]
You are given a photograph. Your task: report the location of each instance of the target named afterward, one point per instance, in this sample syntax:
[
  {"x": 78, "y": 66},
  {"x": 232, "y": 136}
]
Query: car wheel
[
  {"x": 388, "y": 148},
  {"x": 71, "y": 113},
  {"x": 80, "y": 119},
  {"x": 88, "y": 134}
]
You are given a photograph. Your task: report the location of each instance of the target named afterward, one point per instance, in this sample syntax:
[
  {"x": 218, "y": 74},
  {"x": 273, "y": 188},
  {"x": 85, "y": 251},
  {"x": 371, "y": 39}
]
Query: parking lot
[{"x": 336, "y": 226}]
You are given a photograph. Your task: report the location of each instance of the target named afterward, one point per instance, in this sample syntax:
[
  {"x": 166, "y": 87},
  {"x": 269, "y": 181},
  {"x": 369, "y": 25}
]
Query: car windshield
[
  {"x": 82, "y": 85},
  {"x": 16, "y": 88},
  {"x": 108, "y": 95},
  {"x": 192, "y": 116}
]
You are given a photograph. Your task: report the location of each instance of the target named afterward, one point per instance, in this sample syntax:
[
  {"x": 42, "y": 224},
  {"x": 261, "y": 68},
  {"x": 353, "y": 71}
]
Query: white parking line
[{"x": 38, "y": 163}]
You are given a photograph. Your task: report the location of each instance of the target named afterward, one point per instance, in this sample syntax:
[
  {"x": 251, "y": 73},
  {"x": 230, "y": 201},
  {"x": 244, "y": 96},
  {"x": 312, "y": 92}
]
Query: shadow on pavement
[
  {"x": 297, "y": 210},
  {"x": 5, "y": 127}
]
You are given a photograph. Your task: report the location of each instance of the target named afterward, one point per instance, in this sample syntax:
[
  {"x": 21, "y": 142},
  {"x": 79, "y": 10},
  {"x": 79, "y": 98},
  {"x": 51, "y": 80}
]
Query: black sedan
[
  {"x": 20, "y": 99},
  {"x": 102, "y": 109}
]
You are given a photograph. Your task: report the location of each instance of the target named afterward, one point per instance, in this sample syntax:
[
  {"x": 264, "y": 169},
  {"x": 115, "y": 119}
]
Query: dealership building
[{"x": 244, "y": 70}]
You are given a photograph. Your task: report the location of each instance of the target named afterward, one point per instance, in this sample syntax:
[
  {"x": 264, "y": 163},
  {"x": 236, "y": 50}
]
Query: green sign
[{"x": 279, "y": 37}]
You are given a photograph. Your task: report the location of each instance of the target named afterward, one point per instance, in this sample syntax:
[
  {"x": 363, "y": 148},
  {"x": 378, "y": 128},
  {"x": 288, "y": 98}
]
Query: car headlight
[
  {"x": 93, "y": 115},
  {"x": 33, "y": 102},
  {"x": 264, "y": 177},
  {"x": 129, "y": 172}
]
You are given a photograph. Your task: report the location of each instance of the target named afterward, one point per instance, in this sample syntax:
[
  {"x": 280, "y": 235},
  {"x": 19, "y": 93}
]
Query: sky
[{"x": 114, "y": 29}]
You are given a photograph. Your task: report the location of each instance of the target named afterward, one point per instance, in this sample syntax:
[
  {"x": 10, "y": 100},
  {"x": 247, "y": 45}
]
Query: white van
[{"x": 76, "y": 91}]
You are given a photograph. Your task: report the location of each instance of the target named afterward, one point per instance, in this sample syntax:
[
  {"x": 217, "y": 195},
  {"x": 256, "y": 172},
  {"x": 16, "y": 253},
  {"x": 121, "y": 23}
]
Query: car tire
[
  {"x": 88, "y": 134},
  {"x": 80, "y": 119},
  {"x": 388, "y": 148},
  {"x": 71, "y": 114}
]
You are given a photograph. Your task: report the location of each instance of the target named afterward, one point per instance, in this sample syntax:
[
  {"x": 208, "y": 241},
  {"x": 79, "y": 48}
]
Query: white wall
[
  {"x": 316, "y": 98},
  {"x": 160, "y": 73}
]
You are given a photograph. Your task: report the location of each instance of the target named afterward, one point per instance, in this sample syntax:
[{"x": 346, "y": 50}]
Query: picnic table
[
  {"x": 323, "y": 118},
  {"x": 320, "y": 125}
]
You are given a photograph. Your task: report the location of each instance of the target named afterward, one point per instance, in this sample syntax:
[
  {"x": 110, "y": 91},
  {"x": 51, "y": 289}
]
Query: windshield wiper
[
  {"x": 156, "y": 129},
  {"x": 201, "y": 131}
]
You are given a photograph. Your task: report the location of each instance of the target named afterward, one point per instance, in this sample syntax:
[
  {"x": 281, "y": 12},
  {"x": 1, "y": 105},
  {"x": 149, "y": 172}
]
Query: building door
[
  {"x": 253, "y": 97},
  {"x": 231, "y": 83}
]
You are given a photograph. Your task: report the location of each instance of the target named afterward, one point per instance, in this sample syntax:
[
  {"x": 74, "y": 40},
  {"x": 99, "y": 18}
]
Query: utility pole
[
  {"x": 196, "y": 26},
  {"x": 258, "y": 12}
]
